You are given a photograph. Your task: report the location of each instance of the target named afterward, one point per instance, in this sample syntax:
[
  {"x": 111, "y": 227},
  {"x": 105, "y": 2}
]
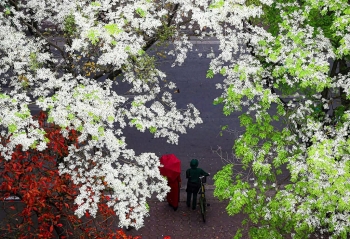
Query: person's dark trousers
[{"x": 194, "y": 201}]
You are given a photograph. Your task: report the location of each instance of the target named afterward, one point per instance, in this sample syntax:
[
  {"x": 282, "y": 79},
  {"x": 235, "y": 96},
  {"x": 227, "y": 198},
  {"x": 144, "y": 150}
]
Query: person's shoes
[
  {"x": 193, "y": 208},
  {"x": 175, "y": 208},
  {"x": 188, "y": 205}
]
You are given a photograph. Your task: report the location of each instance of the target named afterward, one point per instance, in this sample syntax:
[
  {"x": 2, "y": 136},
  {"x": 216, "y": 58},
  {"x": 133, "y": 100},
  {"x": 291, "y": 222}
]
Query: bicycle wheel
[{"x": 203, "y": 205}]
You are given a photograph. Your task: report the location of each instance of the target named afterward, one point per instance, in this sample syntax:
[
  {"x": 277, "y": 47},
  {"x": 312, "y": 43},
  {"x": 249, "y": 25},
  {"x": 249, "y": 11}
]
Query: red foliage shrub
[{"x": 37, "y": 202}]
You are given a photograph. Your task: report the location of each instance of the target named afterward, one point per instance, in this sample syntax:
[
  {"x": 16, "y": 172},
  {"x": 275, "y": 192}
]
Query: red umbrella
[{"x": 171, "y": 168}]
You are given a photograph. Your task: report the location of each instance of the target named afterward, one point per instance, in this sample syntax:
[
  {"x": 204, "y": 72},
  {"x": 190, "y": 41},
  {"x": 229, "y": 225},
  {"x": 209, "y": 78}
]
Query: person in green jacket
[{"x": 193, "y": 182}]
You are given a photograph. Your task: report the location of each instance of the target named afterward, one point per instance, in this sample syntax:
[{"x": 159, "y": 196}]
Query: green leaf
[
  {"x": 7, "y": 11},
  {"x": 69, "y": 25},
  {"x": 12, "y": 128},
  {"x": 141, "y": 52},
  {"x": 71, "y": 116},
  {"x": 262, "y": 43},
  {"x": 33, "y": 145},
  {"x": 110, "y": 118},
  {"x": 80, "y": 128},
  {"x": 153, "y": 129},
  {"x": 141, "y": 12},
  {"x": 22, "y": 115},
  {"x": 238, "y": 234},
  {"x": 136, "y": 103},
  {"x": 33, "y": 63},
  {"x": 273, "y": 57},
  {"x": 245, "y": 120},
  {"x": 96, "y": 4},
  {"x": 112, "y": 29},
  {"x": 121, "y": 142},
  {"x": 4, "y": 96},
  {"x": 139, "y": 126},
  {"x": 222, "y": 71},
  {"x": 224, "y": 127},
  {"x": 210, "y": 74},
  {"x": 93, "y": 36},
  {"x": 347, "y": 11},
  {"x": 101, "y": 130},
  {"x": 217, "y": 101},
  {"x": 94, "y": 137},
  {"x": 217, "y": 4},
  {"x": 243, "y": 76}
]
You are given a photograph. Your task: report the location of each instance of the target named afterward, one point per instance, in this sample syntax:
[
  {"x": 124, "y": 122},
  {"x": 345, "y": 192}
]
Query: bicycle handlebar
[{"x": 203, "y": 179}]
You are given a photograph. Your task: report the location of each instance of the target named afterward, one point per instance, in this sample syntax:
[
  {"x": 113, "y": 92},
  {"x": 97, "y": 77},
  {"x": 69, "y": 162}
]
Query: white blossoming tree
[
  {"x": 291, "y": 80},
  {"x": 72, "y": 59},
  {"x": 64, "y": 57}
]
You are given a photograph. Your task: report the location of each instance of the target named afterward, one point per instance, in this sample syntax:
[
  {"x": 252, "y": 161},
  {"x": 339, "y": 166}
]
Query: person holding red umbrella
[
  {"x": 173, "y": 197},
  {"x": 171, "y": 170}
]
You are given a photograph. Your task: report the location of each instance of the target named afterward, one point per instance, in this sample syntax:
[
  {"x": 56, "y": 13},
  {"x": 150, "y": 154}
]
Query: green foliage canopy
[{"x": 293, "y": 79}]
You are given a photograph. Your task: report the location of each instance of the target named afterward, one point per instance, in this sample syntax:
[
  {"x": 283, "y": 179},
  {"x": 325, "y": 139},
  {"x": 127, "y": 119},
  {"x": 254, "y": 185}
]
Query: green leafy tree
[{"x": 293, "y": 80}]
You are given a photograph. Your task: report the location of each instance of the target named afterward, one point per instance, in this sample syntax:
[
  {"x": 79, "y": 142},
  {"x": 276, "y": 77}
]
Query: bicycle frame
[
  {"x": 202, "y": 198},
  {"x": 202, "y": 188}
]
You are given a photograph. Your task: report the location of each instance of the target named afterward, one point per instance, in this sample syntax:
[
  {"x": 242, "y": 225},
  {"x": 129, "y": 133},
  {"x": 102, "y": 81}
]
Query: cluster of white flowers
[{"x": 63, "y": 72}]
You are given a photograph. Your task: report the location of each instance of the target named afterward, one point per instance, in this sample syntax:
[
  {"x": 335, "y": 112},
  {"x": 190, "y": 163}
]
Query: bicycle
[{"x": 202, "y": 199}]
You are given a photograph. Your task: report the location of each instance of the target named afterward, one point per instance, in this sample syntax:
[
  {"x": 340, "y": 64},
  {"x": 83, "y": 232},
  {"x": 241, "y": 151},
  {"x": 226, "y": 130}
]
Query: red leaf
[
  {"x": 51, "y": 228},
  {"x": 13, "y": 207},
  {"x": 59, "y": 225}
]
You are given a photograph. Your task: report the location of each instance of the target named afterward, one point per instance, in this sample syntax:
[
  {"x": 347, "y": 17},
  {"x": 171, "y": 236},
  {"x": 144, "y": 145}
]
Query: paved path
[{"x": 186, "y": 223}]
